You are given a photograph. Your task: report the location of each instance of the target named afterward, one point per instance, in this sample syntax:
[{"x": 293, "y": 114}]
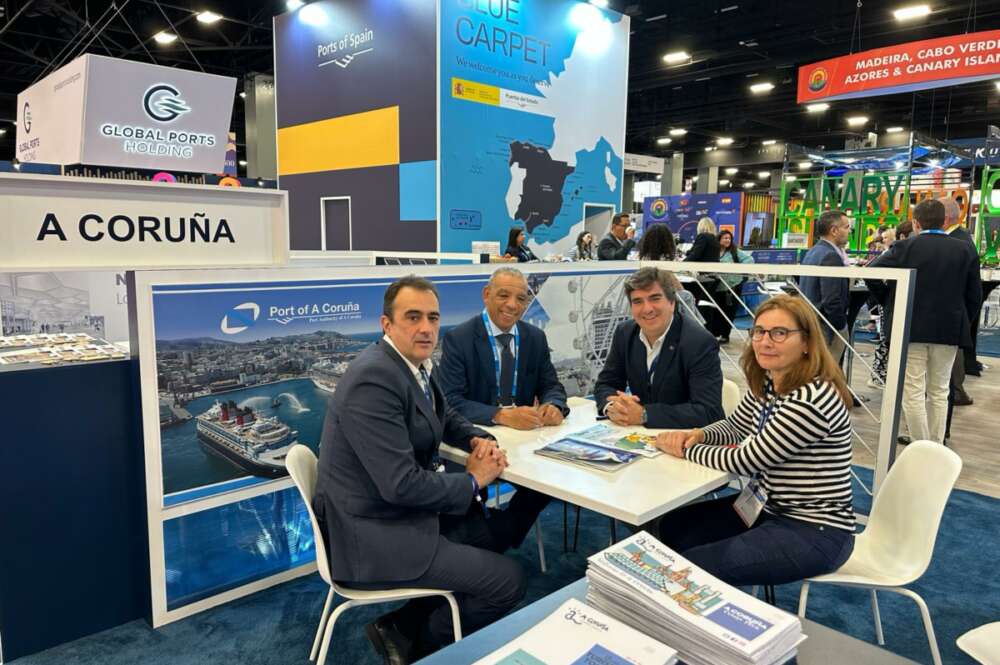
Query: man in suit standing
[
  {"x": 390, "y": 518},
  {"x": 669, "y": 363},
  {"x": 496, "y": 370},
  {"x": 830, "y": 295},
  {"x": 946, "y": 296},
  {"x": 954, "y": 228},
  {"x": 619, "y": 241}
]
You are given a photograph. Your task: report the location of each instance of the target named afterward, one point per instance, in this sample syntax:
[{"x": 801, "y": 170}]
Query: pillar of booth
[
  {"x": 708, "y": 180},
  {"x": 673, "y": 175}
]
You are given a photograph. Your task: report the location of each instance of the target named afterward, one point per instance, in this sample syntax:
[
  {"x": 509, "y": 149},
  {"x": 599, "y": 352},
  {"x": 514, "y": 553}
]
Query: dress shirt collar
[
  {"x": 428, "y": 364},
  {"x": 494, "y": 329},
  {"x": 613, "y": 237},
  {"x": 653, "y": 350}
]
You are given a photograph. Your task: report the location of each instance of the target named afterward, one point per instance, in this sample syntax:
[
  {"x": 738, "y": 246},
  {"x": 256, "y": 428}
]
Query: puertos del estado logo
[
  {"x": 240, "y": 318},
  {"x": 162, "y": 102}
]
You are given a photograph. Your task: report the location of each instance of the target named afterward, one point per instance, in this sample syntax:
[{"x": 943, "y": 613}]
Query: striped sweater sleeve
[
  {"x": 736, "y": 427},
  {"x": 790, "y": 429}
]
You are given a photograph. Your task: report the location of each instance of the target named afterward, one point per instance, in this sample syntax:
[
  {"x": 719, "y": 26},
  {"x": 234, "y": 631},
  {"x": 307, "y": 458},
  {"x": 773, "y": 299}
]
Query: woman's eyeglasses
[{"x": 777, "y": 334}]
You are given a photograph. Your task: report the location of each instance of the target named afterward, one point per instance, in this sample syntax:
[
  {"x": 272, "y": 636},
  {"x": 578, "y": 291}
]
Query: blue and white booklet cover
[
  {"x": 646, "y": 585},
  {"x": 577, "y": 634}
]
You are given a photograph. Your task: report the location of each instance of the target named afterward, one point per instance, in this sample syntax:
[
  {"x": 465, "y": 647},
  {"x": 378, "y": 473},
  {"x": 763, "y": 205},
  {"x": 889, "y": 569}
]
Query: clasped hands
[
  {"x": 486, "y": 461},
  {"x": 624, "y": 409},
  {"x": 529, "y": 417}
]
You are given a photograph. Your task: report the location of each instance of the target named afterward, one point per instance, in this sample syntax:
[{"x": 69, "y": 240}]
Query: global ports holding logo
[
  {"x": 240, "y": 318},
  {"x": 162, "y": 102},
  {"x": 26, "y": 118},
  {"x": 658, "y": 209},
  {"x": 818, "y": 79}
]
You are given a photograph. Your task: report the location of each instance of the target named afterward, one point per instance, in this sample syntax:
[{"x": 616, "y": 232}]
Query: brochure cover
[
  {"x": 595, "y": 457},
  {"x": 577, "y": 634},
  {"x": 617, "y": 438}
]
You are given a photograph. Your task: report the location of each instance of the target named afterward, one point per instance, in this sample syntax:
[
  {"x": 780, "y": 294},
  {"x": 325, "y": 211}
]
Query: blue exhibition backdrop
[{"x": 681, "y": 212}]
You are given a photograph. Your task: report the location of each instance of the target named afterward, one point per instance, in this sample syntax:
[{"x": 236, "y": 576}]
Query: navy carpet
[{"x": 276, "y": 626}]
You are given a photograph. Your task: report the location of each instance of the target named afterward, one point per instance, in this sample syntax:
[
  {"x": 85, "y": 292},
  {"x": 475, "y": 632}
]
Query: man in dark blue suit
[
  {"x": 668, "y": 362},
  {"x": 496, "y": 370},
  {"x": 830, "y": 295},
  {"x": 390, "y": 517}
]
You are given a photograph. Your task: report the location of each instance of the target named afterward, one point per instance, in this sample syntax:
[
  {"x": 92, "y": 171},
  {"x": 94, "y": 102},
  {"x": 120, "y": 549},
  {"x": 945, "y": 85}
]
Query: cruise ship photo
[{"x": 256, "y": 445}]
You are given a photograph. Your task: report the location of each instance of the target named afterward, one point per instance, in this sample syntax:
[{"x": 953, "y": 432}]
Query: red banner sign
[{"x": 930, "y": 63}]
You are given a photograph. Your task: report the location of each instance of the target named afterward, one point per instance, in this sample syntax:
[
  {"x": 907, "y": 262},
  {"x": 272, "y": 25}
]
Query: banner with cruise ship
[{"x": 244, "y": 370}]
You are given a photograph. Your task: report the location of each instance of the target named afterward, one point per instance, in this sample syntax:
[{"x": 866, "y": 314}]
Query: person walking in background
[
  {"x": 584, "y": 248},
  {"x": 619, "y": 241},
  {"x": 946, "y": 295},
  {"x": 723, "y": 296},
  {"x": 755, "y": 238},
  {"x": 517, "y": 246},
  {"x": 830, "y": 295},
  {"x": 658, "y": 244},
  {"x": 953, "y": 227},
  {"x": 881, "y": 355},
  {"x": 706, "y": 244}
]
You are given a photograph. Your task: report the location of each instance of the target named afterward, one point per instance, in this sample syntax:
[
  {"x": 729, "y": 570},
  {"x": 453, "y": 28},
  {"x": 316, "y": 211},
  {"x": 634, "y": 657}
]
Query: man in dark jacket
[
  {"x": 830, "y": 295},
  {"x": 669, "y": 363},
  {"x": 954, "y": 228},
  {"x": 946, "y": 297},
  {"x": 620, "y": 240}
]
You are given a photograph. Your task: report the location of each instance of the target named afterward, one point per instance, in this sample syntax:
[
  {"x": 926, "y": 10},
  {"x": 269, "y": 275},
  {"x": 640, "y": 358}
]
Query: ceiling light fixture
[
  {"x": 709, "y": 148},
  {"x": 724, "y": 141},
  {"x": 769, "y": 142},
  {"x": 164, "y": 37},
  {"x": 763, "y": 174},
  {"x": 663, "y": 141},
  {"x": 790, "y": 178},
  {"x": 805, "y": 165},
  {"x": 243, "y": 162},
  {"x": 676, "y": 57},
  {"x": 243, "y": 95},
  {"x": 748, "y": 185},
  {"x": 603, "y": 4},
  {"x": 998, "y": 85},
  {"x": 732, "y": 170},
  {"x": 893, "y": 130},
  {"x": 292, "y": 5},
  {"x": 857, "y": 120},
  {"x": 677, "y": 131},
  {"x": 208, "y": 18},
  {"x": 911, "y": 12},
  {"x": 723, "y": 182},
  {"x": 817, "y": 108},
  {"x": 761, "y": 88}
]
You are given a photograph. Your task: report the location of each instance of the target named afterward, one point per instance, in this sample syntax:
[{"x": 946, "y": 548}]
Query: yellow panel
[
  {"x": 348, "y": 142},
  {"x": 475, "y": 92}
]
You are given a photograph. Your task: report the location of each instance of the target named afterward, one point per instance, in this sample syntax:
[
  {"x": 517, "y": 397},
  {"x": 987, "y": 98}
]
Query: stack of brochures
[
  {"x": 603, "y": 447},
  {"x": 648, "y": 586},
  {"x": 578, "y": 634}
]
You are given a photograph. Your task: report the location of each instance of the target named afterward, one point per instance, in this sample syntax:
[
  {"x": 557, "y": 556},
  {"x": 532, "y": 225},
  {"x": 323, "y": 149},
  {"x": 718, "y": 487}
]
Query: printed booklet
[
  {"x": 594, "y": 457},
  {"x": 617, "y": 438},
  {"x": 648, "y": 586},
  {"x": 577, "y": 634}
]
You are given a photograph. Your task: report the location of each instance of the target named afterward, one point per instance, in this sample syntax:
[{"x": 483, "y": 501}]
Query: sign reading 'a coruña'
[
  {"x": 78, "y": 223},
  {"x": 930, "y": 63}
]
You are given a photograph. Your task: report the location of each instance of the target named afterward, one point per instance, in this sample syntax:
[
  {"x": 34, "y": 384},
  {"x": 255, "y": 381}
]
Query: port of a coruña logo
[{"x": 228, "y": 409}]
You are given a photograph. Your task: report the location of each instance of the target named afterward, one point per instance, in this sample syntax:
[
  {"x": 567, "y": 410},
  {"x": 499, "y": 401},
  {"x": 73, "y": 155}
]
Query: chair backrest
[
  {"x": 730, "y": 396},
  {"x": 301, "y": 465},
  {"x": 907, "y": 510}
]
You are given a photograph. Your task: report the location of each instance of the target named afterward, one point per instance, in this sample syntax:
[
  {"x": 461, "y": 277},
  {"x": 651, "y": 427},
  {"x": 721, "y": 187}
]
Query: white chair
[
  {"x": 730, "y": 397},
  {"x": 982, "y": 643},
  {"x": 896, "y": 546},
  {"x": 301, "y": 465}
]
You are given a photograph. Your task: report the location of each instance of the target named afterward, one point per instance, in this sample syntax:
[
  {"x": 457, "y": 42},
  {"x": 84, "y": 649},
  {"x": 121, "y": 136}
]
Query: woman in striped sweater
[{"x": 792, "y": 435}]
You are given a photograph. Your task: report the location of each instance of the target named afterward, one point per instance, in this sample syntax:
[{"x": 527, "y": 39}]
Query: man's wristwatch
[{"x": 645, "y": 416}]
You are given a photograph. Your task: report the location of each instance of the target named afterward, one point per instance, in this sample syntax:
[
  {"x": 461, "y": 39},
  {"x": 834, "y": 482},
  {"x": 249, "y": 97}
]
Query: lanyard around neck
[{"x": 495, "y": 348}]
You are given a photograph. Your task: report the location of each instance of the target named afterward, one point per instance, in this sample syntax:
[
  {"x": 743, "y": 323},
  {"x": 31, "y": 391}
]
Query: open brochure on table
[
  {"x": 586, "y": 454},
  {"x": 648, "y": 586},
  {"x": 576, "y": 634},
  {"x": 612, "y": 437}
]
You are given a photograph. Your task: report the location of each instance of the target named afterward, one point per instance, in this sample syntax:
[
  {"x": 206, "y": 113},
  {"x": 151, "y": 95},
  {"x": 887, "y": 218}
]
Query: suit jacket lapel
[
  {"x": 637, "y": 365},
  {"x": 485, "y": 357},
  {"x": 421, "y": 400},
  {"x": 522, "y": 361},
  {"x": 668, "y": 352}
]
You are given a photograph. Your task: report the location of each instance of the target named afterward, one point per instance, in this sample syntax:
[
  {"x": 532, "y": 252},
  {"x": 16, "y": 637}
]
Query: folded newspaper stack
[
  {"x": 648, "y": 586},
  {"x": 577, "y": 634}
]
